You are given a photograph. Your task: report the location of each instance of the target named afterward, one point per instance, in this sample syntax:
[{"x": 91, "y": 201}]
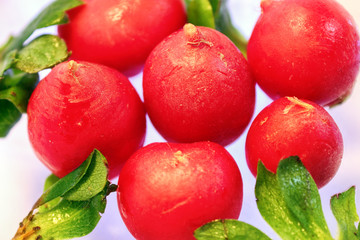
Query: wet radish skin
[
  {"x": 121, "y": 33},
  {"x": 305, "y": 48},
  {"x": 167, "y": 190},
  {"x": 198, "y": 87},
  {"x": 293, "y": 127},
  {"x": 80, "y": 106}
]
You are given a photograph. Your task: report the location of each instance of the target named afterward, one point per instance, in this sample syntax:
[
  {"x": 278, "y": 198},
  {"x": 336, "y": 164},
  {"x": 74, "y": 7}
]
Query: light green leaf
[
  {"x": 93, "y": 181},
  {"x": 15, "y": 77},
  {"x": 228, "y": 230},
  {"x": 200, "y": 13},
  {"x": 44, "y": 52},
  {"x": 302, "y": 197},
  {"x": 6, "y": 62},
  {"x": 49, "y": 181},
  {"x": 69, "y": 208},
  {"x": 344, "y": 209},
  {"x": 273, "y": 208},
  {"x": 66, "y": 183},
  {"x": 52, "y": 15},
  {"x": 68, "y": 219}
]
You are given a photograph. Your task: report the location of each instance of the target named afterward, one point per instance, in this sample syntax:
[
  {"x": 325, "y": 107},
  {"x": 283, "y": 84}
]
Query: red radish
[
  {"x": 290, "y": 126},
  {"x": 305, "y": 48},
  {"x": 121, "y": 33},
  {"x": 197, "y": 87},
  {"x": 167, "y": 190},
  {"x": 80, "y": 106}
]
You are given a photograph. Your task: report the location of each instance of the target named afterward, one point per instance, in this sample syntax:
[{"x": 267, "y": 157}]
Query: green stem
[{"x": 224, "y": 25}]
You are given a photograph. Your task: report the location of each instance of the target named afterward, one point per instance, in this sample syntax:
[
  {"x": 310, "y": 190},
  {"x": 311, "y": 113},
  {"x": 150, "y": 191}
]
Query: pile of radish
[{"x": 199, "y": 93}]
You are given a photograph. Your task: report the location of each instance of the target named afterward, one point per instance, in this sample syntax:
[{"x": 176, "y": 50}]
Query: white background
[{"x": 22, "y": 175}]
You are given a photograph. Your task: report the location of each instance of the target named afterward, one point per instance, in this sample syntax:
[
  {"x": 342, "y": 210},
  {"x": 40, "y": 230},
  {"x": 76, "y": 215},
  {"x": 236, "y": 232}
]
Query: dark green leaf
[
  {"x": 273, "y": 208},
  {"x": 302, "y": 197},
  {"x": 44, "y": 52},
  {"x": 200, "y": 13},
  {"x": 68, "y": 219},
  {"x": 344, "y": 209},
  {"x": 228, "y": 230},
  {"x": 215, "y": 14},
  {"x": 93, "y": 181},
  {"x": 224, "y": 24},
  {"x": 14, "y": 77},
  {"x": 9, "y": 115},
  {"x": 215, "y": 5},
  {"x": 99, "y": 201},
  {"x": 15, "y": 90},
  {"x": 51, "y": 15},
  {"x": 17, "y": 96}
]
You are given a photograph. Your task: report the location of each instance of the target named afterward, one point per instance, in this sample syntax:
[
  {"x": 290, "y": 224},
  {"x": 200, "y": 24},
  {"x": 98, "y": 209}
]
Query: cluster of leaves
[
  {"x": 20, "y": 64},
  {"x": 290, "y": 203},
  {"x": 69, "y": 207}
]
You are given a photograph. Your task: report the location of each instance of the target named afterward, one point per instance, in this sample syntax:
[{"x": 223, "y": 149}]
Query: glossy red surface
[
  {"x": 80, "y": 106},
  {"x": 305, "y": 48},
  {"x": 293, "y": 127},
  {"x": 121, "y": 33},
  {"x": 167, "y": 190},
  {"x": 197, "y": 87}
]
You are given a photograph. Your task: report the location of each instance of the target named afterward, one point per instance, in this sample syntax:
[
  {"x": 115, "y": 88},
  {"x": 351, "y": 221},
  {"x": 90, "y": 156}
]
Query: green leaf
[
  {"x": 228, "y": 230},
  {"x": 6, "y": 62},
  {"x": 50, "y": 180},
  {"x": 224, "y": 24},
  {"x": 14, "y": 77},
  {"x": 70, "y": 206},
  {"x": 68, "y": 219},
  {"x": 44, "y": 52},
  {"x": 302, "y": 197},
  {"x": 52, "y": 15},
  {"x": 17, "y": 96},
  {"x": 215, "y": 14},
  {"x": 99, "y": 201},
  {"x": 273, "y": 208},
  {"x": 215, "y": 5},
  {"x": 15, "y": 90},
  {"x": 66, "y": 183},
  {"x": 200, "y": 13},
  {"x": 9, "y": 116},
  {"x": 344, "y": 209},
  {"x": 93, "y": 181}
]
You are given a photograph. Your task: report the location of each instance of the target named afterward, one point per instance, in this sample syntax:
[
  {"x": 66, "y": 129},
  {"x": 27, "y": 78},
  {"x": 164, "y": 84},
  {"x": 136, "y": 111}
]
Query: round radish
[
  {"x": 197, "y": 87},
  {"x": 80, "y": 106},
  {"x": 305, "y": 48},
  {"x": 121, "y": 33},
  {"x": 290, "y": 126},
  {"x": 167, "y": 190}
]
